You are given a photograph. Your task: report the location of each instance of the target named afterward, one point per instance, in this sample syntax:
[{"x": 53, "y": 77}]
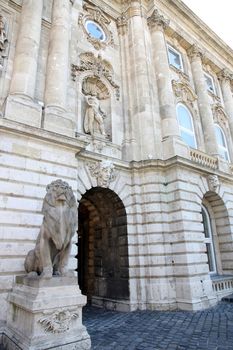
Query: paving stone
[{"x": 210, "y": 329}]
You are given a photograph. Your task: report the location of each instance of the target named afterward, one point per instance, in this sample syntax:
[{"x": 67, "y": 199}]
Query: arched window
[
  {"x": 185, "y": 121},
  {"x": 222, "y": 144},
  {"x": 208, "y": 239}
]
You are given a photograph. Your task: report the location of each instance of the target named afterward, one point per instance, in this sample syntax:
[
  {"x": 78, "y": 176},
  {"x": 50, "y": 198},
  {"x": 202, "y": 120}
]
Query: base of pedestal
[
  {"x": 23, "y": 110},
  {"x": 58, "y": 120},
  {"x": 46, "y": 314},
  {"x": 174, "y": 146}
]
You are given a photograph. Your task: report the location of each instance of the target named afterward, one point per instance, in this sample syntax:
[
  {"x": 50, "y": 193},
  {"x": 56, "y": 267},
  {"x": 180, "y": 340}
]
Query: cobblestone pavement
[{"x": 211, "y": 329}]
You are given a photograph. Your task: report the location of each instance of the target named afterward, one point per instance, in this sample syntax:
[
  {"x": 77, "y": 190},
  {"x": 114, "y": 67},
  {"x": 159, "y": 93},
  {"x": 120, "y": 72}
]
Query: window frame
[
  {"x": 209, "y": 240},
  {"x": 185, "y": 129},
  {"x": 98, "y": 26},
  {"x": 225, "y": 149},
  {"x": 213, "y": 83},
  {"x": 169, "y": 47}
]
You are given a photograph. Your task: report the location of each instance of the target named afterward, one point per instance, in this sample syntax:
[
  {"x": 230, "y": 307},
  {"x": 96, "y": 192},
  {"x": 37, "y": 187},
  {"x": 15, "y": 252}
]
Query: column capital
[
  {"x": 195, "y": 52},
  {"x": 157, "y": 21},
  {"x": 225, "y": 75},
  {"x": 122, "y": 24},
  {"x": 135, "y": 9}
]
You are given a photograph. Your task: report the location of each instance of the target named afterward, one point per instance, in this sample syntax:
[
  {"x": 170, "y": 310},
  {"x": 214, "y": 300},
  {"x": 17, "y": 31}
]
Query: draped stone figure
[{"x": 93, "y": 120}]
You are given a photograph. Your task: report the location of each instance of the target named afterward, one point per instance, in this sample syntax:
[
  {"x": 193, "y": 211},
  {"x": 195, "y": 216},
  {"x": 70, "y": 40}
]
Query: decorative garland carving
[
  {"x": 225, "y": 75},
  {"x": 219, "y": 114},
  {"x": 183, "y": 91},
  {"x": 195, "y": 51},
  {"x": 104, "y": 172},
  {"x": 3, "y": 40},
  {"x": 157, "y": 21},
  {"x": 94, "y": 13},
  {"x": 59, "y": 321},
  {"x": 98, "y": 67},
  {"x": 122, "y": 24}
]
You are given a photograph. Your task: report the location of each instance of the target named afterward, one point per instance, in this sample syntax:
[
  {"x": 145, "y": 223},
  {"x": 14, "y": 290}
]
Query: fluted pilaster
[
  {"x": 226, "y": 78},
  {"x": 20, "y": 104},
  {"x": 141, "y": 91},
  {"x": 206, "y": 115},
  {"x": 57, "y": 73},
  {"x": 170, "y": 128},
  {"x": 27, "y": 47}
]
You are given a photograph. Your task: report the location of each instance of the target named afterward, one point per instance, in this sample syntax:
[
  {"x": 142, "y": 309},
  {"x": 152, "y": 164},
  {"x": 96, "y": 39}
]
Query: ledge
[{"x": 44, "y": 135}]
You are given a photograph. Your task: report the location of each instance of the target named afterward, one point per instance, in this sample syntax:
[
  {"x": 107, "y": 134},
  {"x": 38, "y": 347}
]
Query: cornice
[
  {"x": 24, "y": 130},
  {"x": 217, "y": 48}
]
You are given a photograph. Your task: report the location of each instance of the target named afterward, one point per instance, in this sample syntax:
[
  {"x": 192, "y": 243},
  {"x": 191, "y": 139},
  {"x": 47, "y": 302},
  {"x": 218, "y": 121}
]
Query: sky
[{"x": 217, "y": 15}]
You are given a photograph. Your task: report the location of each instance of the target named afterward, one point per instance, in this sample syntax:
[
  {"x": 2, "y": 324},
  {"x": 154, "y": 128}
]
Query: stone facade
[{"x": 90, "y": 94}]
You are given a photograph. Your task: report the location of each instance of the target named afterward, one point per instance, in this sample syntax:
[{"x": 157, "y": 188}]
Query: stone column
[
  {"x": 172, "y": 142},
  {"x": 56, "y": 118},
  {"x": 206, "y": 115},
  {"x": 225, "y": 78},
  {"x": 20, "y": 105},
  {"x": 140, "y": 89},
  {"x": 122, "y": 26}
]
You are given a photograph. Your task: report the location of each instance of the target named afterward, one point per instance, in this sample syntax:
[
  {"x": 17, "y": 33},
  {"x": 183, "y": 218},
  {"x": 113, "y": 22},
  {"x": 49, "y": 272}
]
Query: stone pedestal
[
  {"x": 23, "y": 110},
  {"x": 46, "y": 314},
  {"x": 56, "y": 119}
]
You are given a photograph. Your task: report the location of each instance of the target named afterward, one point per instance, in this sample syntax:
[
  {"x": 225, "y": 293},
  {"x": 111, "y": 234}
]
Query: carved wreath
[{"x": 59, "y": 321}]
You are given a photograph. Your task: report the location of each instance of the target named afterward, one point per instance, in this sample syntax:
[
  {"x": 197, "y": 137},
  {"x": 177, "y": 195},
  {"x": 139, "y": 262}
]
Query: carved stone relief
[
  {"x": 213, "y": 182},
  {"x": 3, "y": 40},
  {"x": 220, "y": 116},
  {"x": 104, "y": 172},
  {"x": 98, "y": 67},
  {"x": 157, "y": 21},
  {"x": 59, "y": 321},
  {"x": 122, "y": 24},
  {"x": 95, "y": 14},
  {"x": 183, "y": 91}
]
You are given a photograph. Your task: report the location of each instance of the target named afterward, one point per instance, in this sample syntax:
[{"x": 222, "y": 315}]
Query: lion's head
[{"x": 58, "y": 191}]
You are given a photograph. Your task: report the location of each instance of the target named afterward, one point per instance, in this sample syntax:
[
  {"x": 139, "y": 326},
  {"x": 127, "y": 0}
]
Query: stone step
[{"x": 228, "y": 298}]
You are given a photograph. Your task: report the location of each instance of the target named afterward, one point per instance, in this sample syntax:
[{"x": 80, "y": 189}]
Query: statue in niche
[
  {"x": 93, "y": 120},
  {"x": 53, "y": 244}
]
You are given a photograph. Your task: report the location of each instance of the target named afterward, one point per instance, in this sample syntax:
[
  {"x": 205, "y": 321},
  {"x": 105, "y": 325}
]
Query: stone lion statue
[{"x": 53, "y": 244}]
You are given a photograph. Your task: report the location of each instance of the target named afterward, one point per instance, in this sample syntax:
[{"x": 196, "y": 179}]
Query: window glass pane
[
  {"x": 188, "y": 139},
  {"x": 209, "y": 83},
  {"x": 205, "y": 224},
  {"x": 95, "y": 31},
  {"x": 221, "y": 140},
  {"x": 174, "y": 58},
  {"x": 220, "y": 137},
  {"x": 208, "y": 239},
  {"x": 184, "y": 118},
  {"x": 210, "y": 257}
]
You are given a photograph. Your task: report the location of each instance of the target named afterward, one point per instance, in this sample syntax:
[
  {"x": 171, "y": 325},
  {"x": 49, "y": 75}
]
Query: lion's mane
[{"x": 59, "y": 224}]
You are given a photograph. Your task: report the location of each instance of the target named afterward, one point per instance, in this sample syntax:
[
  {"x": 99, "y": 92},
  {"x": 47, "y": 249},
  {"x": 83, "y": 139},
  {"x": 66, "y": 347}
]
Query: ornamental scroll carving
[
  {"x": 220, "y": 116},
  {"x": 183, "y": 91},
  {"x": 3, "y": 40},
  {"x": 98, "y": 67},
  {"x": 104, "y": 172},
  {"x": 157, "y": 21},
  {"x": 59, "y": 321},
  {"x": 94, "y": 13}
]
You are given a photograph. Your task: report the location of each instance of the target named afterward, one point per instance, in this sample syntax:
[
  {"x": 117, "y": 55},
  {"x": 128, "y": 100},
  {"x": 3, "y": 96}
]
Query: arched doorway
[
  {"x": 103, "y": 268},
  {"x": 217, "y": 232}
]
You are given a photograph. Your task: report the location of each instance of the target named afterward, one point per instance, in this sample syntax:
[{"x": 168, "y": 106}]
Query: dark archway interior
[{"x": 103, "y": 268}]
